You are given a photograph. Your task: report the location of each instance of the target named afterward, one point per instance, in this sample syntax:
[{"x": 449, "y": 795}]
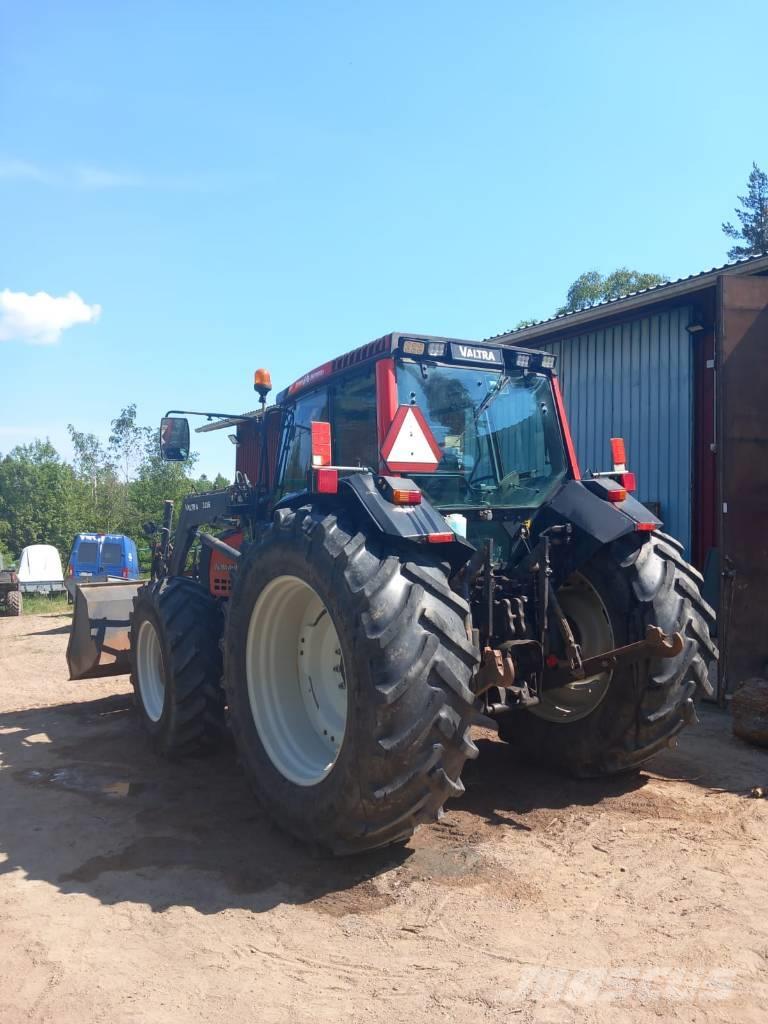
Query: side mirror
[{"x": 174, "y": 439}]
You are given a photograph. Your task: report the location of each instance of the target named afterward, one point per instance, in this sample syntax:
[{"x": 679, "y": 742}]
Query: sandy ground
[{"x": 134, "y": 890}]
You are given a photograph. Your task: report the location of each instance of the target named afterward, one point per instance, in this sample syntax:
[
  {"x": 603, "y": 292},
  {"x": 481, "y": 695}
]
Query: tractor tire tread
[
  {"x": 409, "y": 636},
  {"x": 656, "y": 697},
  {"x": 190, "y": 633}
]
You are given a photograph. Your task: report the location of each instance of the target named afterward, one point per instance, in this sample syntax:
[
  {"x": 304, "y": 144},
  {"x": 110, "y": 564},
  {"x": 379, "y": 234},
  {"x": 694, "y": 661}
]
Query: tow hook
[
  {"x": 657, "y": 644},
  {"x": 497, "y": 669}
]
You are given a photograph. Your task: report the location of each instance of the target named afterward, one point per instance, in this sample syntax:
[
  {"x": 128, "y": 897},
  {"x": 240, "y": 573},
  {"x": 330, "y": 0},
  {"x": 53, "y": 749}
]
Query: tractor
[
  {"x": 408, "y": 550},
  {"x": 10, "y": 592}
]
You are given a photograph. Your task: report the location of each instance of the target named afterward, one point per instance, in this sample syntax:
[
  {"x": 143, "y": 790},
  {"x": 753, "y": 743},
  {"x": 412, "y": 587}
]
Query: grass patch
[{"x": 39, "y": 604}]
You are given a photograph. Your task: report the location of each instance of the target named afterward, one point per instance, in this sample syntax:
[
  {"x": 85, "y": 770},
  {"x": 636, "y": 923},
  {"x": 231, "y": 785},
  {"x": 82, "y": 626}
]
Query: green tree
[
  {"x": 753, "y": 218},
  {"x": 103, "y": 497},
  {"x": 112, "y": 487},
  {"x": 40, "y": 497},
  {"x": 129, "y": 443},
  {"x": 218, "y": 483},
  {"x": 591, "y": 287}
]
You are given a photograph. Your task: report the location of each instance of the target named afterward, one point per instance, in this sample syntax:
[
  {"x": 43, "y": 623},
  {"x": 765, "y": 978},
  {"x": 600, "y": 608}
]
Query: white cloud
[
  {"x": 97, "y": 177},
  {"x": 24, "y": 171},
  {"x": 80, "y": 176},
  {"x": 39, "y": 319},
  {"x": 90, "y": 178}
]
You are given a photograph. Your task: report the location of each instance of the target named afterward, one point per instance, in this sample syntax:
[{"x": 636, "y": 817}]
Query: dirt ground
[{"x": 134, "y": 890}]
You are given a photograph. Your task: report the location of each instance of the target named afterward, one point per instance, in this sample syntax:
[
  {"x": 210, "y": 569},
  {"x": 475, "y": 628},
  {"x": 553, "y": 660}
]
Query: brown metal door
[{"x": 742, "y": 363}]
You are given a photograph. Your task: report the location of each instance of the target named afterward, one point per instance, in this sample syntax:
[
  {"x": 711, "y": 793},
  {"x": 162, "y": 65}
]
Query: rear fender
[
  {"x": 595, "y": 521},
  {"x": 360, "y": 498}
]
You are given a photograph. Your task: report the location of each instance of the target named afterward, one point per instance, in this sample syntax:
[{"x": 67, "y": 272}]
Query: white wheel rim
[
  {"x": 296, "y": 683},
  {"x": 592, "y": 628},
  {"x": 149, "y": 665}
]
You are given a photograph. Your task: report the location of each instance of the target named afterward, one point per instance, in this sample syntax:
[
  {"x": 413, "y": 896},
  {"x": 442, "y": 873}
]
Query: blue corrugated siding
[{"x": 635, "y": 380}]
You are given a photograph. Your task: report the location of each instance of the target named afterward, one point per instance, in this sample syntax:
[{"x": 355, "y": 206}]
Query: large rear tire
[
  {"x": 347, "y": 672},
  {"x": 638, "y": 708},
  {"x": 13, "y": 603},
  {"x": 176, "y": 666}
]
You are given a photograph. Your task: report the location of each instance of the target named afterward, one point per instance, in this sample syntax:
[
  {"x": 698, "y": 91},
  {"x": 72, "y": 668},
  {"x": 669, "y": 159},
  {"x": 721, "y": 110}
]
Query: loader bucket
[{"x": 98, "y": 642}]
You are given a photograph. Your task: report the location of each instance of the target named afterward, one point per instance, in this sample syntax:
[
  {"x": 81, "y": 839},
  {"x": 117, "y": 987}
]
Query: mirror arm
[{"x": 209, "y": 415}]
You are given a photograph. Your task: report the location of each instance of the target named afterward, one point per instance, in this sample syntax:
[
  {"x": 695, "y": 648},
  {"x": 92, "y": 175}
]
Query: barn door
[{"x": 742, "y": 362}]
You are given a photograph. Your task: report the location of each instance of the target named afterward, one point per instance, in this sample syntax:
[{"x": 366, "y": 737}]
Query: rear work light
[
  {"x": 522, "y": 359},
  {"x": 436, "y": 349},
  {"x": 414, "y": 348}
]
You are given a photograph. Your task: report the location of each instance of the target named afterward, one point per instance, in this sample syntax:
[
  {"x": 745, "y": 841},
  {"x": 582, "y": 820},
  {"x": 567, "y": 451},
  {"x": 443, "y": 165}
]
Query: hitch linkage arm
[{"x": 657, "y": 644}]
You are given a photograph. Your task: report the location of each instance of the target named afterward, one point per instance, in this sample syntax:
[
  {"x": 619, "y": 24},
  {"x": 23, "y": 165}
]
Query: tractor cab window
[
  {"x": 353, "y": 420},
  {"x": 498, "y": 434},
  {"x": 298, "y": 460}
]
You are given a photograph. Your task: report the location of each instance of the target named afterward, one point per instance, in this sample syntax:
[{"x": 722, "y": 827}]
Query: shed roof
[{"x": 646, "y": 297}]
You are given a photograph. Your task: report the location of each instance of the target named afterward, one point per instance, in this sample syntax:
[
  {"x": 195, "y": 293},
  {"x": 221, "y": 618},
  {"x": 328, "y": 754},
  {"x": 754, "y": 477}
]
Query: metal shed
[
  {"x": 634, "y": 380},
  {"x": 681, "y": 372}
]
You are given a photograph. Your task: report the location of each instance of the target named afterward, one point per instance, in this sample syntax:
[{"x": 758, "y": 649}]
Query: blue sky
[{"x": 253, "y": 184}]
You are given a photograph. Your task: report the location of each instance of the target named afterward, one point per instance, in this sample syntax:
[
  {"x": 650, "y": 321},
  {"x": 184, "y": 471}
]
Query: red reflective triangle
[{"x": 410, "y": 446}]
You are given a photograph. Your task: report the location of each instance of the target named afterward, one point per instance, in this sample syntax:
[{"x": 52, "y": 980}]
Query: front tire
[
  {"x": 641, "y": 706},
  {"x": 347, "y": 672},
  {"x": 176, "y": 666}
]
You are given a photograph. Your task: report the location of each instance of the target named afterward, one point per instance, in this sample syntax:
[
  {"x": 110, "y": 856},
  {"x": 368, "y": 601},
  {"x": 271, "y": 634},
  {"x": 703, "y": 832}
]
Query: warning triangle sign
[{"x": 410, "y": 446}]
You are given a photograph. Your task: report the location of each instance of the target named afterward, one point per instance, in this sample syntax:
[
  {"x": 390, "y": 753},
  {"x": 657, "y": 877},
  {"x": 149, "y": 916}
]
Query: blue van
[{"x": 103, "y": 554}]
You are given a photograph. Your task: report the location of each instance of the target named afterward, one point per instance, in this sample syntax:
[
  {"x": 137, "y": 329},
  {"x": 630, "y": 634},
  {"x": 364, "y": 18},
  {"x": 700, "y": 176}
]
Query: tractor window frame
[
  {"x": 296, "y": 459},
  {"x": 359, "y": 447}
]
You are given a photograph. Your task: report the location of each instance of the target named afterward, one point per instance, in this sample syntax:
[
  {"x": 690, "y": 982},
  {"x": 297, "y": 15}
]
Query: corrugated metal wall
[{"x": 635, "y": 380}]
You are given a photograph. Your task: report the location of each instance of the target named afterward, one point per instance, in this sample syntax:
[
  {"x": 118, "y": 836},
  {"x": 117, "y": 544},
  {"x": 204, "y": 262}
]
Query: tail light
[
  {"x": 399, "y": 490},
  {"x": 326, "y": 481},
  {"x": 441, "y": 538},
  {"x": 71, "y": 570},
  {"x": 126, "y": 572},
  {"x": 618, "y": 495},
  {"x": 627, "y": 480},
  {"x": 402, "y": 497}
]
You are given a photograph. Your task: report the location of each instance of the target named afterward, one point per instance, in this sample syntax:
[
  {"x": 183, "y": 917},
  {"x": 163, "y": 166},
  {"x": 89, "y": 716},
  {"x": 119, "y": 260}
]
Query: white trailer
[{"x": 40, "y": 571}]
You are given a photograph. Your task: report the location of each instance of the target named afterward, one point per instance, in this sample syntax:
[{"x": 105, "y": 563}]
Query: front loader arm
[{"x": 196, "y": 509}]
